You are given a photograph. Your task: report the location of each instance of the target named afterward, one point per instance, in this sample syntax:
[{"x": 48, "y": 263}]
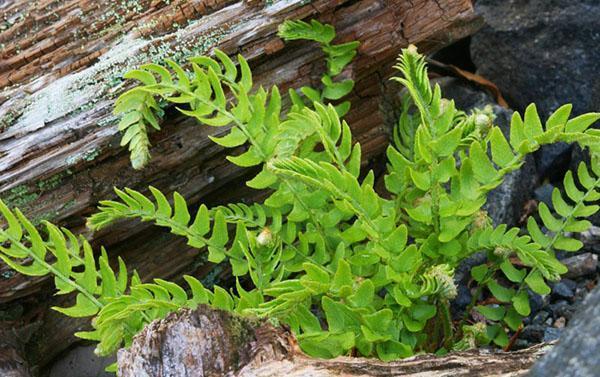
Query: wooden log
[
  {"x": 207, "y": 342},
  {"x": 60, "y": 69}
]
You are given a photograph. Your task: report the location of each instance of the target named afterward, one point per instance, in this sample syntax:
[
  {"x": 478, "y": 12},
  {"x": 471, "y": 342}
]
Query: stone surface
[
  {"x": 564, "y": 289},
  {"x": 81, "y": 362},
  {"x": 541, "y": 51},
  {"x": 577, "y": 351},
  {"x": 580, "y": 265},
  {"x": 544, "y": 52}
]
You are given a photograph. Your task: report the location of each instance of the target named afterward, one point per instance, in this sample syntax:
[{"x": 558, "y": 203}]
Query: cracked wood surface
[
  {"x": 60, "y": 69},
  {"x": 208, "y": 342}
]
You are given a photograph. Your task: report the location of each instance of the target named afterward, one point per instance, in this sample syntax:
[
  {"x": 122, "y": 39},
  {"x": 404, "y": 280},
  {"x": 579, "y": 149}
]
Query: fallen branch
[{"x": 209, "y": 342}]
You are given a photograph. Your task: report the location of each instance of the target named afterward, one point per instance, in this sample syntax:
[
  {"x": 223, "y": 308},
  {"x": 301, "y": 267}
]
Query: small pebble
[
  {"x": 540, "y": 317},
  {"x": 561, "y": 309},
  {"x": 560, "y": 323},
  {"x": 533, "y": 333},
  {"x": 564, "y": 289},
  {"x": 551, "y": 334}
]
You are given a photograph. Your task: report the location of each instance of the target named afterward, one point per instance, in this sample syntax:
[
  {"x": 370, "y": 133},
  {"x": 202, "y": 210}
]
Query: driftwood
[
  {"x": 208, "y": 342},
  {"x": 60, "y": 68}
]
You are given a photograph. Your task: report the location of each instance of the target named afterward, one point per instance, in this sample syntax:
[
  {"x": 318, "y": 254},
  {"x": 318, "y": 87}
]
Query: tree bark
[
  {"x": 208, "y": 342},
  {"x": 61, "y": 63}
]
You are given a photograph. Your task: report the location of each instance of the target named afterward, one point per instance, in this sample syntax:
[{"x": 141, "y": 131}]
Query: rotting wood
[
  {"x": 60, "y": 68},
  {"x": 208, "y": 342}
]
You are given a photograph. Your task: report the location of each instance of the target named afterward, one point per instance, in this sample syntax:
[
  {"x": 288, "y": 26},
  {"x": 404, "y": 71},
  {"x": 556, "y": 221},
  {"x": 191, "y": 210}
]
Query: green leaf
[
  {"x": 582, "y": 122},
  {"x": 536, "y": 282},
  {"x": 501, "y": 293},
  {"x": 513, "y": 319},
  {"x": 493, "y": 313},
  {"x": 336, "y": 90},
  {"x": 364, "y": 295},
  {"x": 479, "y": 272},
  {"x": 340, "y": 318},
  {"x": 521, "y": 303},
  {"x": 502, "y": 153},
  {"x": 235, "y": 138},
  {"x": 513, "y": 274},
  {"x": 392, "y": 350},
  {"x": 83, "y": 307},
  {"x": 343, "y": 277}
]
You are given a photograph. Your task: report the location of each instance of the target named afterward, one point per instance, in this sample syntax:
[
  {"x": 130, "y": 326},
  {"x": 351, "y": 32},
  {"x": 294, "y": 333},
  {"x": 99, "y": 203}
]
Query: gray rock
[
  {"x": 552, "y": 161},
  {"x": 577, "y": 351},
  {"x": 542, "y": 51},
  {"x": 540, "y": 317},
  {"x": 551, "y": 333},
  {"x": 81, "y": 362},
  {"x": 562, "y": 309},
  {"x": 544, "y": 194},
  {"x": 564, "y": 289},
  {"x": 533, "y": 333},
  {"x": 466, "y": 96}
]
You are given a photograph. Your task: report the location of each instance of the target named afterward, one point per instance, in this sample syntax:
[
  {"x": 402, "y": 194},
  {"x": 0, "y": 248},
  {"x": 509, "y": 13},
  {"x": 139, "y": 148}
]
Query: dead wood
[{"x": 208, "y": 342}]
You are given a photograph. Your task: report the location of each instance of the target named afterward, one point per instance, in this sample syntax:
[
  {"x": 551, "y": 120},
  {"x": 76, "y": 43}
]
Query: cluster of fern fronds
[{"x": 349, "y": 269}]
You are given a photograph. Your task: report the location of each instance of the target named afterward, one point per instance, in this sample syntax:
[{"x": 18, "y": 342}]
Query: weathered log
[
  {"x": 60, "y": 69},
  {"x": 209, "y": 342}
]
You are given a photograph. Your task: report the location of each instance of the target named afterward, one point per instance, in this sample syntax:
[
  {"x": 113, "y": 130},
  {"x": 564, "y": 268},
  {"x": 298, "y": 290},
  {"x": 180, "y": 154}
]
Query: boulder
[
  {"x": 577, "y": 351},
  {"x": 544, "y": 52}
]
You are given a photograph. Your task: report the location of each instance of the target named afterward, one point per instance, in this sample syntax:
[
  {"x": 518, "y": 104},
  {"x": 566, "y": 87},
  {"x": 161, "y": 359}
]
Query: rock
[
  {"x": 533, "y": 333},
  {"x": 552, "y": 161},
  {"x": 551, "y": 334},
  {"x": 577, "y": 352},
  {"x": 543, "y": 194},
  {"x": 81, "y": 362},
  {"x": 541, "y": 51},
  {"x": 564, "y": 289},
  {"x": 466, "y": 96},
  {"x": 561, "y": 309},
  {"x": 540, "y": 317},
  {"x": 536, "y": 302},
  {"x": 560, "y": 323},
  {"x": 544, "y": 52},
  {"x": 580, "y": 265}
]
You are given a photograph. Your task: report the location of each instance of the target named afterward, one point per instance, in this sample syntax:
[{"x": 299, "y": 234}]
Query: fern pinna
[{"x": 351, "y": 270}]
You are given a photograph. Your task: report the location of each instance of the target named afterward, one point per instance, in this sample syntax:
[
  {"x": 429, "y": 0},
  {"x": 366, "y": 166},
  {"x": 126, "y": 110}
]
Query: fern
[
  {"x": 351, "y": 269},
  {"x": 337, "y": 57}
]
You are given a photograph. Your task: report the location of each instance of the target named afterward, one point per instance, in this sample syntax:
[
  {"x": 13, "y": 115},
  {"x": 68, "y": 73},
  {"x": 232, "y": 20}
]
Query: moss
[{"x": 19, "y": 197}]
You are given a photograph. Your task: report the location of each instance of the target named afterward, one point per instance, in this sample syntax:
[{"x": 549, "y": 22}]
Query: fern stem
[{"x": 447, "y": 324}]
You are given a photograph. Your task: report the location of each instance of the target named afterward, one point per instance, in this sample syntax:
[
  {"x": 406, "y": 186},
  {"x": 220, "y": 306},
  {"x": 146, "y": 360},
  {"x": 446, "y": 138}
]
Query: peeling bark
[
  {"x": 61, "y": 63},
  {"x": 208, "y": 342}
]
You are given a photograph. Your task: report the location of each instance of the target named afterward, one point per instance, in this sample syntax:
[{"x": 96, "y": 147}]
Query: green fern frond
[
  {"x": 201, "y": 94},
  {"x": 177, "y": 218},
  {"x": 315, "y": 31},
  {"x": 138, "y": 111},
  {"x": 308, "y": 128},
  {"x": 125, "y": 315},
  {"x": 61, "y": 255},
  {"x": 572, "y": 210},
  {"x": 337, "y": 57}
]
